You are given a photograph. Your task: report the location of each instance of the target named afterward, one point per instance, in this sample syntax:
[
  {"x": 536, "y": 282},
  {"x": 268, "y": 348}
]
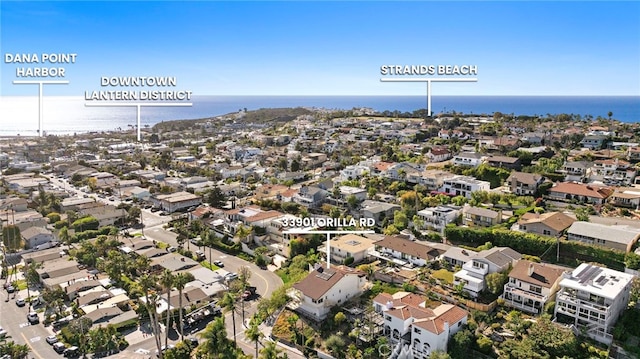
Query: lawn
[
  {"x": 443, "y": 274},
  {"x": 212, "y": 266}
]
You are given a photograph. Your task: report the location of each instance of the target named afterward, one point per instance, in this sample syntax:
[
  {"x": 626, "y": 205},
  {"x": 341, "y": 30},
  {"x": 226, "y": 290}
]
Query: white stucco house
[
  {"x": 411, "y": 326},
  {"x": 324, "y": 288}
]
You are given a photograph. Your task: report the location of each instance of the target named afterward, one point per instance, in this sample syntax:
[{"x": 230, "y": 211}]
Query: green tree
[
  {"x": 582, "y": 214},
  {"x": 14, "y": 350},
  {"x": 339, "y": 318},
  {"x": 167, "y": 280},
  {"x": 180, "y": 281},
  {"x": 336, "y": 345},
  {"x": 254, "y": 334},
  {"x": 496, "y": 281},
  {"x": 400, "y": 220},
  {"x": 271, "y": 351},
  {"x": 229, "y": 304},
  {"x": 460, "y": 345}
]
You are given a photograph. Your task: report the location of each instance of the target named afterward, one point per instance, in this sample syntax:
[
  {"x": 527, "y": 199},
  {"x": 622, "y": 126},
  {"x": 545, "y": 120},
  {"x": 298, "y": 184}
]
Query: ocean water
[{"x": 68, "y": 115}]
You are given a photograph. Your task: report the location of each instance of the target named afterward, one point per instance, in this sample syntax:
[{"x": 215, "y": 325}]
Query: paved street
[{"x": 14, "y": 320}]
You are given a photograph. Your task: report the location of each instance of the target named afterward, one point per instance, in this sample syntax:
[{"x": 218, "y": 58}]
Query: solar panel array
[
  {"x": 588, "y": 274},
  {"x": 325, "y": 275}
]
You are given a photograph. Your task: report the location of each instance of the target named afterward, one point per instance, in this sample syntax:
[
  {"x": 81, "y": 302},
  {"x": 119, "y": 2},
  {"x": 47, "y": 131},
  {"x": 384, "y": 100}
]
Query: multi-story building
[
  {"x": 496, "y": 259},
  {"x": 438, "y": 217},
  {"x": 524, "y": 184},
  {"x": 480, "y": 217},
  {"x": 324, "y": 288},
  {"x": 531, "y": 285},
  {"x": 592, "y": 299},
  {"x": 469, "y": 159},
  {"x": 431, "y": 179},
  {"x": 410, "y": 324},
  {"x": 463, "y": 186},
  {"x": 547, "y": 224},
  {"x": 613, "y": 171}
]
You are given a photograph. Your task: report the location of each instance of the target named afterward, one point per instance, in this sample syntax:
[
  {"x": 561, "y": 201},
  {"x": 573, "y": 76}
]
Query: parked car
[
  {"x": 72, "y": 352},
  {"x": 171, "y": 249},
  {"x": 52, "y": 339},
  {"x": 59, "y": 347},
  {"x": 11, "y": 289},
  {"x": 231, "y": 276},
  {"x": 219, "y": 263},
  {"x": 3, "y": 333},
  {"x": 200, "y": 255},
  {"x": 33, "y": 318},
  {"x": 20, "y": 302}
]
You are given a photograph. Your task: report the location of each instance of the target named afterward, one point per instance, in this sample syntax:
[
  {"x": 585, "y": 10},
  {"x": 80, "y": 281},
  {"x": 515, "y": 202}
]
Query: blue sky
[{"x": 331, "y": 48}]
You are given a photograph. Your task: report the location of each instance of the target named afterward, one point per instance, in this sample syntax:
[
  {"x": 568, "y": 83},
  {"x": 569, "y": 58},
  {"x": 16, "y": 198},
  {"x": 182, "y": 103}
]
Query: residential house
[
  {"x": 438, "y": 217},
  {"x": 532, "y": 285},
  {"x": 349, "y": 246},
  {"x": 550, "y": 224},
  {"x": 613, "y": 171},
  {"x": 310, "y": 196},
  {"x": 593, "y": 141},
  {"x": 469, "y": 159},
  {"x": 452, "y": 134},
  {"x": 431, "y": 179},
  {"x": 463, "y": 186},
  {"x": 473, "y": 273},
  {"x": 633, "y": 154},
  {"x": 628, "y": 197},
  {"x": 378, "y": 210},
  {"x": 409, "y": 323},
  {"x": 582, "y": 193},
  {"x": 480, "y": 217},
  {"x": 35, "y": 236},
  {"x": 324, "y": 288},
  {"x": 511, "y": 163},
  {"x": 353, "y": 172},
  {"x": 524, "y": 184},
  {"x": 576, "y": 171},
  {"x": 619, "y": 237},
  {"x": 593, "y": 298},
  {"x": 439, "y": 154},
  {"x": 106, "y": 215},
  {"x": 406, "y": 252},
  {"x": 534, "y": 138},
  {"x": 457, "y": 257}
]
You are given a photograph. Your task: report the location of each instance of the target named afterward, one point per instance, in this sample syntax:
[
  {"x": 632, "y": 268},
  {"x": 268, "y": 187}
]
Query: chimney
[
  {"x": 530, "y": 271},
  {"x": 389, "y": 305}
]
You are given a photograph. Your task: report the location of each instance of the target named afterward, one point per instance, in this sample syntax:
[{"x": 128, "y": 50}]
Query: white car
[
  {"x": 20, "y": 302},
  {"x": 3, "y": 333},
  {"x": 33, "y": 318},
  {"x": 52, "y": 339},
  {"x": 231, "y": 276}
]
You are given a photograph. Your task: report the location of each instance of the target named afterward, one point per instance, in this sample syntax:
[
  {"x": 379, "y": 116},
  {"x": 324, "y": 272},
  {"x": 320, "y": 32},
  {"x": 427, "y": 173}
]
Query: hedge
[{"x": 535, "y": 245}]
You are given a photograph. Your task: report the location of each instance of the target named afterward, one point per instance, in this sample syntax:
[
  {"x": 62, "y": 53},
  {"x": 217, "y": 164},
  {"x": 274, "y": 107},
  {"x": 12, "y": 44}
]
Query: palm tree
[
  {"x": 167, "y": 280},
  {"x": 228, "y": 302},
  {"x": 148, "y": 282},
  {"x": 215, "y": 343},
  {"x": 15, "y": 351},
  {"x": 243, "y": 233},
  {"x": 270, "y": 351},
  {"x": 180, "y": 281},
  {"x": 254, "y": 334}
]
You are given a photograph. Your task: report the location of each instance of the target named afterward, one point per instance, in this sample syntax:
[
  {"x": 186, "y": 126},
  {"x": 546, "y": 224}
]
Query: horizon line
[{"x": 345, "y": 95}]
